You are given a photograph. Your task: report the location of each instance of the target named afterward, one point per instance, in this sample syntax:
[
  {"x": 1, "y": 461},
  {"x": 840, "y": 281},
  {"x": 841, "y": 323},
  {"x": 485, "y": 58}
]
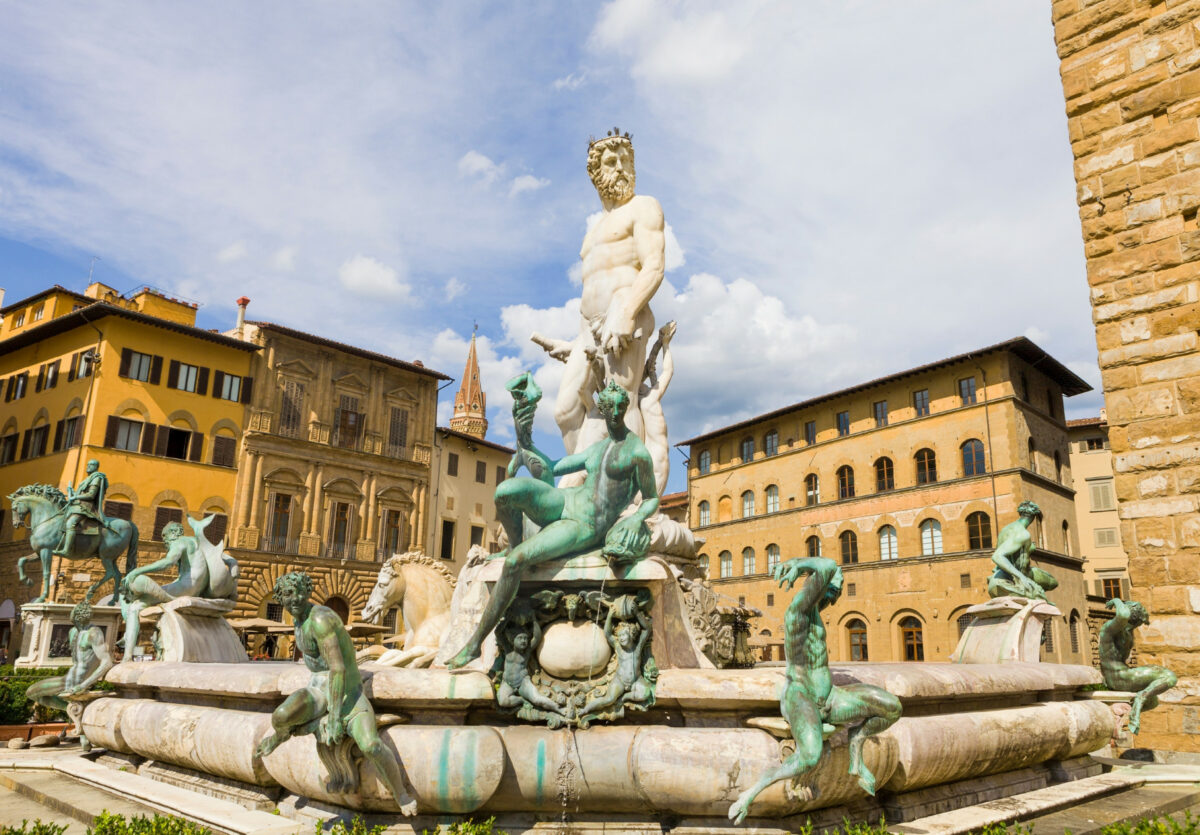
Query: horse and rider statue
[{"x": 58, "y": 526}]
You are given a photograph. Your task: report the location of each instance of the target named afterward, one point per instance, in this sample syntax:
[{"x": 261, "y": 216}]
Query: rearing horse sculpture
[
  {"x": 42, "y": 509},
  {"x": 422, "y": 587}
]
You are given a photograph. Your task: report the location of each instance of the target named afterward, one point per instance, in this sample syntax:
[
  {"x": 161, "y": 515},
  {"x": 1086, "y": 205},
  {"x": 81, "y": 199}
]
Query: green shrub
[
  {"x": 35, "y": 828},
  {"x": 108, "y": 824},
  {"x": 470, "y": 826},
  {"x": 1190, "y": 825},
  {"x": 357, "y": 826},
  {"x": 15, "y": 709}
]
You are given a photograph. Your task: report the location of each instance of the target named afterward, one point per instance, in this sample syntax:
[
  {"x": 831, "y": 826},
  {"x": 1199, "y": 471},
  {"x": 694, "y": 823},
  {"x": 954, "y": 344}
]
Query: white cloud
[
  {"x": 673, "y": 256},
  {"x": 234, "y": 252},
  {"x": 526, "y": 182},
  {"x": 1036, "y": 334},
  {"x": 571, "y": 81},
  {"x": 475, "y": 164},
  {"x": 284, "y": 259},
  {"x": 368, "y": 277},
  {"x": 454, "y": 288}
]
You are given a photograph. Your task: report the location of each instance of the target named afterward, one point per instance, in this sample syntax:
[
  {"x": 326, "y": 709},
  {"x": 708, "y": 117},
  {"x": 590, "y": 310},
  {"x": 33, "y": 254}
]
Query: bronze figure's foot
[{"x": 465, "y": 656}]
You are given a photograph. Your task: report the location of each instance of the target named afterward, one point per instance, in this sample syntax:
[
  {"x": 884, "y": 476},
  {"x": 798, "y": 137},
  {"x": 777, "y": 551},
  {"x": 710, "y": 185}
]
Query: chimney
[{"x": 241, "y": 320}]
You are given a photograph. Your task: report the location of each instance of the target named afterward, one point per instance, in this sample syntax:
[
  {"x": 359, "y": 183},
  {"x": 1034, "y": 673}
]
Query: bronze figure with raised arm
[{"x": 1015, "y": 573}]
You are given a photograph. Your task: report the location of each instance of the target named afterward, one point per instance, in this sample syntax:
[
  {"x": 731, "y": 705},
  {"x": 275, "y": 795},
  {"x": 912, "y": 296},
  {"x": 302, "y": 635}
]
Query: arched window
[
  {"x": 1066, "y": 538},
  {"x": 703, "y": 560},
  {"x": 885, "y": 478},
  {"x": 849, "y": 547},
  {"x": 705, "y": 462},
  {"x": 1057, "y": 467},
  {"x": 747, "y": 449},
  {"x": 979, "y": 531},
  {"x": 972, "y": 458},
  {"x": 1048, "y": 636},
  {"x": 772, "y": 498},
  {"x": 926, "y": 466},
  {"x": 856, "y": 631},
  {"x": 771, "y": 443},
  {"x": 1074, "y": 623},
  {"x": 726, "y": 559},
  {"x": 340, "y": 607},
  {"x": 813, "y": 546},
  {"x": 748, "y": 504},
  {"x": 913, "y": 638},
  {"x": 703, "y": 513},
  {"x": 749, "y": 562},
  {"x": 888, "y": 549},
  {"x": 964, "y": 621},
  {"x": 812, "y": 489},
  {"x": 772, "y": 557},
  {"x": 1032, "y": 455},
  {"x": 845, "y": 478},
  {"x": 931, "y": 537}
]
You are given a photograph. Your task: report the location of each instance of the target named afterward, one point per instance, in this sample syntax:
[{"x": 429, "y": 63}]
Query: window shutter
[
  {"x": 74, "y": 365},
  {"x": 41, "y": 380},
  {"x": 156, "y": 369},
  {"x": 202, "y": 381},
  {"x": 110, "y": 431},
  {"x": 8, "y": 393},
  {"x": 216, "y": 528},
  {"x": 218, "y": 382},
  {"x": 148, "y": 438},
  {"x": 247, "y": 389},
  {"x": 58, "y": 433},
  {"x": 52, "y": 373},
  {"x": 173, "y": 375},
  {"x": 25, "y": 444},
  {"x": 162, "y": 515},
  {"x": 160, "y": 447},
  {"x": 126, "y": 359},
  {"x": 1124, "y": 589},
  {"x": 197, "y": 446}
]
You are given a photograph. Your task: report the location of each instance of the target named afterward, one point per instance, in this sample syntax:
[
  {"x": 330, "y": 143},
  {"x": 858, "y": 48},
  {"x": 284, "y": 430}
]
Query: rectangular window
[
  {"x": 81, "y": 366},
  {"x": 39, "y": 312},
  {"x": 72, "y": 434},
  {"x": 348, "y": 423},
  {"x": 921, "y": 402},
  {"x": 1107, "y": 538},
  {"x": 500, "y": 474},
  {"x": 186, "y": 376},
  {"x": 726, "y": 564},
  {"x": 281, "y": 522},
  {"x": 291, "y": 402},
  {"x": 481, "y": 472},
  {"x": 50, "y": 376},
  {"x": 1110, "y": 587},
  {"x": 446, "y": 551},
  {"x": 18, "y": 384},
  {"x": 119, "y": 510},
  {"x": 8, "y": 448},
  {"x": 19, "y": 319},
  {"x": 1100, "y": 491},
  {"x": 770, "y": 600},
  {"x": 275, "y": 612},
  {"x": 392, "y": 525},
  {"x": 852, "y": 590},
  {"x": 129, "y": 434},
  {"x": 810, "y": 432},
  {"x": 224, "y": 450},
  {"x": 477, "y": 535},
  {"x": 1094, "y": 444},
  {"x": 139, "y": 366},
  {"x": 231, "y": 388},
  {"x": 339, "y": 538},
  {"x": 843, "y": 423},
  {"x": 880, "y": 410},
  {"x": 964, "y": 581},
  {"x": 966, "y": 391},
  {"x": 452, "y": 464},
  {"x": 37, "y": 441},
  {"x": 397, "y": 431}
]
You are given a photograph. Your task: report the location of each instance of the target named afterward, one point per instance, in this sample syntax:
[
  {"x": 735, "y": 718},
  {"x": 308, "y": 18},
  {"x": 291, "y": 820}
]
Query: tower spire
[{"x": 470, "y": 403}]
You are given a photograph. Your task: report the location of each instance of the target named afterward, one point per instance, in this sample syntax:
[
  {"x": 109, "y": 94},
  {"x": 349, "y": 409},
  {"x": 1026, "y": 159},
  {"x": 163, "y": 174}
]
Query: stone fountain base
[{"x": 967, "y": 730}]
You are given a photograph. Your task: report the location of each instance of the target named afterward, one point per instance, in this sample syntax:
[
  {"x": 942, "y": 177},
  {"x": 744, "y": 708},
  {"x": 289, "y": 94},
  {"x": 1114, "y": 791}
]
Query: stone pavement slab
[{"x": 1145, "y": 801}]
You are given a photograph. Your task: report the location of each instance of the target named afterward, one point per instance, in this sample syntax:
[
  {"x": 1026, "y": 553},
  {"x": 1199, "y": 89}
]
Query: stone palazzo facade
[
  {"x": 906, "y": 482},
  {"x": 1131, "y": 79}
]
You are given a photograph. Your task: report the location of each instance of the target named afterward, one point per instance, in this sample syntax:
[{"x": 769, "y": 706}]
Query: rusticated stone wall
[{"x": 1131, "y": 78}]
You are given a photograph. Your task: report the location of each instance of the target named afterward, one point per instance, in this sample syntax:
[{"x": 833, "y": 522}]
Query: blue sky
[{"x": 853, "y": 187}]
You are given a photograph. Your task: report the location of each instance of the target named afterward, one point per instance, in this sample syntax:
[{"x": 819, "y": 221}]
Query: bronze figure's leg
[
  {"x": 298, "y": 709},
  {"x": 877, "y": 708},
  {"x": 805, "y": 721},
  {"x": 362, "y": 730},
  {"x": 45, "y": 693}
]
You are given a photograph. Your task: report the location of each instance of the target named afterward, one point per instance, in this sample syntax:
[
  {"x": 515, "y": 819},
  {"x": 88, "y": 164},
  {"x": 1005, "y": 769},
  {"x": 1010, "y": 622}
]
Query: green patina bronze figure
[
  {"x": 55, "y": 521},
  {"x": 811, "y": 704},
  {"x": 90, "y": 662},
  {"x": 1015, "y": 574},
  {"x": 1116, "y": 642},
  {"x": 573, "y": 519},
  {"x": 333, "y": 706}
]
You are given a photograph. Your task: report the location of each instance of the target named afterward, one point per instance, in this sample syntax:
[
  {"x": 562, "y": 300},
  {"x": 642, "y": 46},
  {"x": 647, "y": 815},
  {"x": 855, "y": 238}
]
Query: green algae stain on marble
[{"x": 541, "y": 770}]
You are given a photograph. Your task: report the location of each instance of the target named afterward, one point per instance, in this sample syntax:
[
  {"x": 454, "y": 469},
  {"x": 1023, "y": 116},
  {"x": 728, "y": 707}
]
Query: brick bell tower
[{"x": 470, "y": 404}]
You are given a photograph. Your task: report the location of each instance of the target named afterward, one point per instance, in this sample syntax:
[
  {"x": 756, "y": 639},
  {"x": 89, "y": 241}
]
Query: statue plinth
[
  {"x": 46, "y": 630},
  {"x": 195, "y": 629},
  {"x": 1005, "y": 629}
]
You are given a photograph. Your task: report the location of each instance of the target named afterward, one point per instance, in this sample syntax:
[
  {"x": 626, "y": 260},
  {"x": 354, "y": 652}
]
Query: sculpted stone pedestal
[
  {"x": 1004, "y": 629},
  {"x": 46, "y": 627},
  {"x": 194, "y": 629}
]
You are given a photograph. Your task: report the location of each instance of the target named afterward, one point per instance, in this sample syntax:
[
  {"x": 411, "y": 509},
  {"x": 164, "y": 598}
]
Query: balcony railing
[
  {"x": 316, "y": 432},
  {"x": 339, "y": 551},
  {"x": 279, "y": 544}
]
